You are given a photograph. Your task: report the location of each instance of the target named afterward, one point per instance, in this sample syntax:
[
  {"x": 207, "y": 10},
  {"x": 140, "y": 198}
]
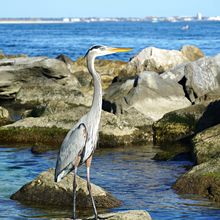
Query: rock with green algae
[
  {"x": 207, "y": 144},
  {"x": 175, "y": 151},
  {"x": 203, "y": 179},
  {"x": 48, "y": 131},
  {"x": 43, "y": 191},
  {"x": 180, "y": 124}
]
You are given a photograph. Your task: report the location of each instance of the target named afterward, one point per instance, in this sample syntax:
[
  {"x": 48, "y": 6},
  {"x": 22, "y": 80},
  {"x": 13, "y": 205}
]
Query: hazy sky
[{"x": 107, "y": 8}]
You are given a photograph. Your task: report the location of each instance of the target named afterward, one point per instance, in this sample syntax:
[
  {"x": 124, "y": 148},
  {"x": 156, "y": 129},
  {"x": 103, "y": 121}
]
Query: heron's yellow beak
[{"x": 118, "y": 50}]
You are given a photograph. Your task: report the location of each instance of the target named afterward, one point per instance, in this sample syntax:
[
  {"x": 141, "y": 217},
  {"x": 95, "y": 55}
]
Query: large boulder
[
  {"x": 161, "y": 60},
  {"x": 192, "y": 52},
  {"x": 207, "y": 144},
  {"x": 29, "y": 76},
  {"x": 186, "y": 122},
  {"x": 198, "y": 78},
  {"x": 153, "y": 96},
  {"x": 43, "y": 191},
  {"x": 203, "y": 179},
  {"x": 148, "y": 93}
]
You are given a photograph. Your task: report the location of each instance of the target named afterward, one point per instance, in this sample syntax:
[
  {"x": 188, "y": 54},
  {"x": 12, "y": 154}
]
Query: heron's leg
[
  {"x": 74, "y": 192},
  {"x": 88, "y": 164}
]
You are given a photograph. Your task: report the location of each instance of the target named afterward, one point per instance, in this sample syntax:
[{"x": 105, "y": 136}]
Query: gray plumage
[{"x": 80, "y": 142}]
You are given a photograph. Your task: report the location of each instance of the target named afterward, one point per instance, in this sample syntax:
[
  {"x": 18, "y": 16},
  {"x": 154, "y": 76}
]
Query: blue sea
[
  {"x": 128, "y": 173},
  {"x": 73, "y": 39}
]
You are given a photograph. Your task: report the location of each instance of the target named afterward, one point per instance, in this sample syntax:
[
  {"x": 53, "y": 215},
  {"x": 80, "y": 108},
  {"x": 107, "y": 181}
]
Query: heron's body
[{"x": 80, "y": 142}]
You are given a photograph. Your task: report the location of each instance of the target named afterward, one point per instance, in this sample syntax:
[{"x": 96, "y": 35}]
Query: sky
[{"x": 107, "y": 8}]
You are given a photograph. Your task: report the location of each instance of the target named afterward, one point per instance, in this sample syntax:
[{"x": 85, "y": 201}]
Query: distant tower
[{"x": 199, "y": 16}]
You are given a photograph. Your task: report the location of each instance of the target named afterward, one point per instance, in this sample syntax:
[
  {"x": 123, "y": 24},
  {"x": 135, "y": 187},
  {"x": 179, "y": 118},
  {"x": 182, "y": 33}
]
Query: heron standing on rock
[{"x": 80, "y": 143}]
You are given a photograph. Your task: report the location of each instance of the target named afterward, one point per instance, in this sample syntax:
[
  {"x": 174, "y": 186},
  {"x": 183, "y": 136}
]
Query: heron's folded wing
[{"x": 71, "y": 147}]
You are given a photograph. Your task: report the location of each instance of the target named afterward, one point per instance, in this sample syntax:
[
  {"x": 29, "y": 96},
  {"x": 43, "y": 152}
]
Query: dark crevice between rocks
[
  {"x": 109, "y": 106},
  {"x": 182, "y": 82},
  {"x": 210, "y": 117}
]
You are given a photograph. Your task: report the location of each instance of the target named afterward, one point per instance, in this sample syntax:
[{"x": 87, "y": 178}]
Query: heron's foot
[{"x": 102, "y": 217}]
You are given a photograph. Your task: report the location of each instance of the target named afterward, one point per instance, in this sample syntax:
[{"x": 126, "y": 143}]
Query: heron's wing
[{"x": 71, "y": 147}]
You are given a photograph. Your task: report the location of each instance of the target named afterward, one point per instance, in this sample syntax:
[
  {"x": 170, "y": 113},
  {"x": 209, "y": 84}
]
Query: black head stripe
[{"x": 94, "y": 47}]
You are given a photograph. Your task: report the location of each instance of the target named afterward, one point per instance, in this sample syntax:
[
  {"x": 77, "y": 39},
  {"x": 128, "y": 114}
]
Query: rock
[
  {"x": 128, "y": 215},
  {"x": 207, "y": 144},
  {"x": 186, "y": 122},
  {"x": 177, "y": 125},
  {"x": 43, "y": 191},
  {"x": 4, "y": 116},
  {"x": 154, "y": 96},
  {"x": 191, "y": 52},
  {"x": 173, "y": 152},
  {"x": 148, "y": 93},
  {"x": 203, "y": 179},
  {"x": 23, "y": 78},
  {"x": 198, "y": 78},
  {"x": 107, "y": 69},
  {"x": 48, "y": 131},
  {"x": 130, "y": 128},
  {"x": 160, "y": 60}
]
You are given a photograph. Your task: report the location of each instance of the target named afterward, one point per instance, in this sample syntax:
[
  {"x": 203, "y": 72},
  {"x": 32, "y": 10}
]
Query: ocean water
[
  {"x": 75, "y": 38},
  {"x": 129, "y": 173}
]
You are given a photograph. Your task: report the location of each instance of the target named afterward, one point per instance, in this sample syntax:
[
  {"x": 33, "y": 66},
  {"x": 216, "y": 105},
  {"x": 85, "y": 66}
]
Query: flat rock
[
  {"x": 203, "y": 179},
  {"x": 43, "y": 191},
  {"x": 128, "y": 215},
  {"x": 48, "y": 131}
]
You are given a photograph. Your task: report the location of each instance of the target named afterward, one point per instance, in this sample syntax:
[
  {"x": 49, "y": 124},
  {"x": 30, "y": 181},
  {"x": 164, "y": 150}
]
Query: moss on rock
[{"x": 37, "y": 136}]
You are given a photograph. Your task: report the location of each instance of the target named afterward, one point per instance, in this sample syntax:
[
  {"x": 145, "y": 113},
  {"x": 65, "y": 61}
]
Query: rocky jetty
[
  {"x": 43, "y": 191},
  {"x": 160, "y": 96}
]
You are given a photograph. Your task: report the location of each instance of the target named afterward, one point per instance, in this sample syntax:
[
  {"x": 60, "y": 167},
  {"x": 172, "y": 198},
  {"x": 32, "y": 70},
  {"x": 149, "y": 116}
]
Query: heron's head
[{"x": 104, "y": 50}]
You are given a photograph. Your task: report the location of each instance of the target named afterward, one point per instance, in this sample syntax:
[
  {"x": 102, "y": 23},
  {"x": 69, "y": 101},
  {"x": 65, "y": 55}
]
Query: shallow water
[{"x": 128, "y": 173}]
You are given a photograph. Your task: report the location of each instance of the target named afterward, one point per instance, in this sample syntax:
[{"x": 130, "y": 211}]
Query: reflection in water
[{"x": 128, "y": 173}]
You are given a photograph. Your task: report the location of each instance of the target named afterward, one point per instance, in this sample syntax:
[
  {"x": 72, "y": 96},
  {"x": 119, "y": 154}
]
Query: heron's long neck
[{"x": 97, "y": 95}]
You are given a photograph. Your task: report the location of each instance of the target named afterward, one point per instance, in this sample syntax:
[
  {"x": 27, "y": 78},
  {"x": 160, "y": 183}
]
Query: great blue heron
[{"x": 80, "y": 142}]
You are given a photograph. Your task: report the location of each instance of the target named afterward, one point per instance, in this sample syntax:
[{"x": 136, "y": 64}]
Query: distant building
[
  {"x": 66, "y": 20},
  {"x": 199, "y": 16}
]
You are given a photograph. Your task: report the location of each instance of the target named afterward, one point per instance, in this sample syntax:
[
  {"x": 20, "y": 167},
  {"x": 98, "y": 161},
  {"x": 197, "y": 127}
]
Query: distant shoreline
[{"x": 68, "y": 20}]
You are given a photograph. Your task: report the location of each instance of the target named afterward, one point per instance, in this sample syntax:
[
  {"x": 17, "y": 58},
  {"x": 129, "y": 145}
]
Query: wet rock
[
  {"x": 154, "y": 96},
  {"x": 160, "y": 60},
  {"x": 192, "y": 52},
  {"x": 203, "y": 179},
  {"x": 198, "y": 78},
  {"x": 184, "y": 123},
  {"x": 175, "y": 152},
  {"x": 178, "y": 124},
  {"x": 207, "y": 144},
  {"x": 43, "y": 191}
]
